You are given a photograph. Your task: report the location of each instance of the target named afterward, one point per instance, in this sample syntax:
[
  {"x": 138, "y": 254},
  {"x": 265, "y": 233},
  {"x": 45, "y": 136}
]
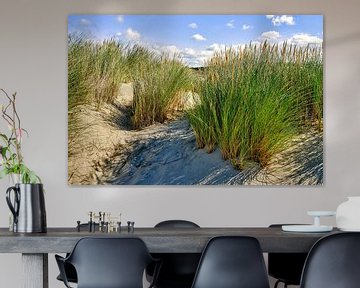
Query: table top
[{"x": 158, "y": 240}]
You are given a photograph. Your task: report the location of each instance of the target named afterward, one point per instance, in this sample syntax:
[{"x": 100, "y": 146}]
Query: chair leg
[{"x": 279, "y": 281}]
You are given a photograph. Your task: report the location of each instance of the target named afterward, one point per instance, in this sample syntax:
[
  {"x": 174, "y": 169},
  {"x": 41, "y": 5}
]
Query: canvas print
[{"x": 195, "y": 99}]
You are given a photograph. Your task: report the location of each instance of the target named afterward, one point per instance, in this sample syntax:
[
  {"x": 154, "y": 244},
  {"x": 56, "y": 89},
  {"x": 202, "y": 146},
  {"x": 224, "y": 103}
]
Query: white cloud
[
  {"x": 215, "y": 47},
  {"x": 198, "y": 37},
  {"x": 190, "y": 51},
  {"x": 278, "y": 20},
  {"x": 199, "y": 58},
  {"x": 189, "y": 56},
  {"x": 120, "y": 18},
  {"x": 118, "y": 34},
  {"x": 298, "y": 39},
  {"x": 196, "y": 58},
  {"x": 132, "y": 34},
  {"x": 85, "y": 22},
  {"x": 246, "y": 27},
  {"x": 270, "y": 36},
  {"x": 231, "y": 24},
  {"x": 171, "y": 50},
  {"x": 193, "y": 25},
  {"x": 303, "y": 39}
]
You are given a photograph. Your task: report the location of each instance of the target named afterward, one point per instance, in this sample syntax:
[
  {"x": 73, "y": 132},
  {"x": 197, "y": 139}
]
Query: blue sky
[{"x": 196, "y": 37}]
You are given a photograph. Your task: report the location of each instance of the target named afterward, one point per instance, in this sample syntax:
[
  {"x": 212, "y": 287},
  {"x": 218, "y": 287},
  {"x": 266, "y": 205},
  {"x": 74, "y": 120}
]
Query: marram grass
[
  {"x": 95, "y": 71},
  {"x": 159, "y": 90},
  {"x": 255, "y": 99}
]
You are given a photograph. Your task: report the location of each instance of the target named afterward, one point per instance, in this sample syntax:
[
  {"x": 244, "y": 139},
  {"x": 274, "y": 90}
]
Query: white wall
[{"x": 33, "y": 62}]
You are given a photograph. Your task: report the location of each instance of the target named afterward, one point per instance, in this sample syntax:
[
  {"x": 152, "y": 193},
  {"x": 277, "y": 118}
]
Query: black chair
[
  {"x": 286, "y": 267},
  {"x": 178, "y": 269},
  {"x": 232, "y": 262},
  {"x": 333, "y": 262},
  {"x": 69, "y": 269},
  {"x": 108, "y": 263}
]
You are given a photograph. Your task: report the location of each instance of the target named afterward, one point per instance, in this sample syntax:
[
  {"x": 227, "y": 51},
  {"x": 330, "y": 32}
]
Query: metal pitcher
[{"x": 28, "y": 207}]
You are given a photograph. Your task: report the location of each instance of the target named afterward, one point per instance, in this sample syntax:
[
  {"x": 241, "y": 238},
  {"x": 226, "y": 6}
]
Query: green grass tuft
[
  {"x": 255, "y": 99},
  {"x": 159, "y": 90}
]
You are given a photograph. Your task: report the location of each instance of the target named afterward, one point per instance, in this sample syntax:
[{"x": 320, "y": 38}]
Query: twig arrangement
[{"x": 12, "y": 161}]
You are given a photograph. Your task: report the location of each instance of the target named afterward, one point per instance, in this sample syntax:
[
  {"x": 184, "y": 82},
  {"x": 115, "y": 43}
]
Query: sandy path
[{"x": 167, "y": 154}]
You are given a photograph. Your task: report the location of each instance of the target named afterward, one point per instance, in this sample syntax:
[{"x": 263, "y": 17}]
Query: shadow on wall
[{"x": 343, "y": 39}]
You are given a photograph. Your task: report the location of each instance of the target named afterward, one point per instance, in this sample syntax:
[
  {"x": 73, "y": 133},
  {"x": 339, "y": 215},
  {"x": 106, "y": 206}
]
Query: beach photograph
[{"x": 195, "y": 100}]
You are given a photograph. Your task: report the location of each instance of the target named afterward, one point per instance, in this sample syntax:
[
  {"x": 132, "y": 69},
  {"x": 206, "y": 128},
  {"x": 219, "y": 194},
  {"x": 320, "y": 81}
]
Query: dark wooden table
[{"x": 35, "y": 247}]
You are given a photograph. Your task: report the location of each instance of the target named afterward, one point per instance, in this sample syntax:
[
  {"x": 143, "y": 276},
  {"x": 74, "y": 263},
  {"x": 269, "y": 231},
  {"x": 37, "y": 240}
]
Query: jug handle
[{"x": 13, "y": 208}]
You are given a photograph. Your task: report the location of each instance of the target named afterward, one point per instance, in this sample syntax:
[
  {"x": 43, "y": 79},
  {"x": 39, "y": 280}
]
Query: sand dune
[
  {"x": 107, "y": 151},
  {"x": 167, "y": 154}
]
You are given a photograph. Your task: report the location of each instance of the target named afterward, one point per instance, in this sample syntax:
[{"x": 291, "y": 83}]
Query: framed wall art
[{"x": 195, "y": 99}]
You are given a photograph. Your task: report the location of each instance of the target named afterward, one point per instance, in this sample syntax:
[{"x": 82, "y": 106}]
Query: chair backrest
[
  {"x": 177, "y": 269},
  {"x": 176, "y": 224},
  {"x": 232, "y": 262},
  {"x": 110, "y": 262},
  {"x": 333, "y": 262}
]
